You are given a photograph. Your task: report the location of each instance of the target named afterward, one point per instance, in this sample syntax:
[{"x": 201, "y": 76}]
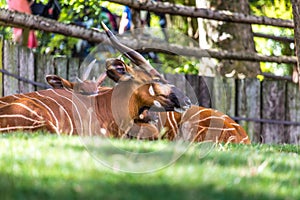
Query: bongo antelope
[
  {"x": 109, "y": 112},
  {"x": 196, "y": 124}
]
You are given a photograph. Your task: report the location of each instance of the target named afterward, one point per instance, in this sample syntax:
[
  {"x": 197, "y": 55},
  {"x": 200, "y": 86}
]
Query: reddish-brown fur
[
  {"x": 56, "y": 110},
  {"x": 201, "y": 124},
  {"x": 92, "y": 110},
  {"x": 196, "y": 124}
]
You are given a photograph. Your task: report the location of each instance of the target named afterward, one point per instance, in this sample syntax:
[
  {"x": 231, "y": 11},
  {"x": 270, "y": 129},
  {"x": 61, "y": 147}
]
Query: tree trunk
[{"x": 228, "y": 36}]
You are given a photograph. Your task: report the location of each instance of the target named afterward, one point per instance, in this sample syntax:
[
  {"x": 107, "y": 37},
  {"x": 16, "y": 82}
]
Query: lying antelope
[
  {"x": 195, "y": 124},
  {"x": 199, "y": 124},
  {"x": 109, "y": 112}
]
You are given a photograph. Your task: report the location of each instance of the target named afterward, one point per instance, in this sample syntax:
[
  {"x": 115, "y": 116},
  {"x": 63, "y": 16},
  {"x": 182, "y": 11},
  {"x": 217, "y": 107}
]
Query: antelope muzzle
[{"x": 180, "y": 101}]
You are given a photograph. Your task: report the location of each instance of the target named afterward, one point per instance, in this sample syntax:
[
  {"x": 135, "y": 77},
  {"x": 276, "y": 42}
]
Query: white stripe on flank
[
  {"x": 208, "y": 118},
  {"x": 16, "y": 96},
  {"x": 21, "y": 116},
  {"x": 198, "y": 134},
  {"x": 20, "y": 127},
  {"x": 74, "y": 106},
  {"x": 216, "y": 128},
  {"x": 235, "y": 124},
  {"x": 29, "y": 109},
  {"x": 172, "y": 122},
  {"x": 48, "y": 108},
  {"x": 244, "y": 139},
  {"x": 3, "y": 102},
  {"x": 197, "y": 113},
  {"x": 62, "y": 107}
]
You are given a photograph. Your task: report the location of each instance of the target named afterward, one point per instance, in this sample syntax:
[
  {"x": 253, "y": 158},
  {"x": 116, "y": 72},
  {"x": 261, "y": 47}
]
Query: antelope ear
[
  {"x": 57, "y": 82},
  {"x": 117, "y": 70}
]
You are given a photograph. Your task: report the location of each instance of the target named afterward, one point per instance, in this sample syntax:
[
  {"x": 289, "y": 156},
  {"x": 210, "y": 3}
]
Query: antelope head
[
  {"x": 148, "y": 88},
  {"x": 144, "y": 91}
]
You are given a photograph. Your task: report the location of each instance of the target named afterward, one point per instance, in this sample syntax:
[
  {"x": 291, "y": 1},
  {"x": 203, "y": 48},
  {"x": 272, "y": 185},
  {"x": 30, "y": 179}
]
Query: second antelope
[{"x": 197, "y": 124}]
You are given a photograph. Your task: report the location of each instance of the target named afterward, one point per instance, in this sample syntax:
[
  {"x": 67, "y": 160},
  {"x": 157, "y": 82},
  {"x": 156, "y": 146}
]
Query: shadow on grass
[{"x": 116, "y": 186}]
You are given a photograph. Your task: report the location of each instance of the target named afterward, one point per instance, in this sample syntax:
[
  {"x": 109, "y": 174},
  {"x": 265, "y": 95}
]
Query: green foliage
[
  {"x": 43, "y": 166},
  {"x": 73, "y": 11},
  {"x": 189, "y": 67},
  {"x": 276, "y": 9},
  {"x": 178, "y": 64}
]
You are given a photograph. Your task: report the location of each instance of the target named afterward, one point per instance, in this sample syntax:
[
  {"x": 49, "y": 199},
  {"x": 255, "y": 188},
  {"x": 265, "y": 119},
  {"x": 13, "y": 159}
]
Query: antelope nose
[{"x": 179, "y": 99}]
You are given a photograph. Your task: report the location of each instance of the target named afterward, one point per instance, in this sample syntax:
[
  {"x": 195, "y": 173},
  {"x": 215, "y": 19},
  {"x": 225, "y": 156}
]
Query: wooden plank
[
  {"x": 26, "y": 57},
  {"x": 293, "y": 113},
  {"x": 217, "y": 94},
  {"x": 293, "y": 103},
  {"x": 273, "y": 107},
  {"x": 61, "y": 66},
  {"x": 1, "y": 65},
  {"x": 193, "y": 88},
  {"x": 223, "y": 94},
  {"x": 248, "y": 105},
  {"x": 11, "y": 64},
  {"x": 44, "y": 67},
  {"x": 230, "y": 87},
  {"x": 73, "y": 69},
  {"x": 206, "y": 88},
  {"x": 180, "y": 82},
  {"x": 296, "y": 14}
]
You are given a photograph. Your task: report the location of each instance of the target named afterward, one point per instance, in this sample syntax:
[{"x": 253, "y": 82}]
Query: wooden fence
[{"x": 268, "y": 110}]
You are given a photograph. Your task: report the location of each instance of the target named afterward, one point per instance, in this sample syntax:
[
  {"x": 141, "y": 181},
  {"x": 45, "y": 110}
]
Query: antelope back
[
  {"x": 212, "y": 125},
  {"x": 199, "y": 124}
]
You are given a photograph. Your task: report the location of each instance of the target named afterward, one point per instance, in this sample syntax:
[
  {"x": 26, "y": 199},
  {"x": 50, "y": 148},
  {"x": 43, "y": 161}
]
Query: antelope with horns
[
  {"x": 195, "y": 124},
  {"x": 108, "y": 112}
]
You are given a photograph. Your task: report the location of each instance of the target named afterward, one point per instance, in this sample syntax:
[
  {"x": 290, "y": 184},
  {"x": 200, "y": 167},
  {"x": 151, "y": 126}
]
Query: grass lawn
[{"x": 41, "y": 166}]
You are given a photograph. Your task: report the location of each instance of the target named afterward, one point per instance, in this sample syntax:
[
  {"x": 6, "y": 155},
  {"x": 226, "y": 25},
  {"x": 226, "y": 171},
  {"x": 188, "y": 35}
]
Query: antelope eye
[{"x": 120, "y": 70}]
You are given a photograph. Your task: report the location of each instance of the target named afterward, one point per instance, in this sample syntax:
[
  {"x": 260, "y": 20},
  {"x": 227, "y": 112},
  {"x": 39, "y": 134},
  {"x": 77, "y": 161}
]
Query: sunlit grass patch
[{"x": 44, "y": 166}]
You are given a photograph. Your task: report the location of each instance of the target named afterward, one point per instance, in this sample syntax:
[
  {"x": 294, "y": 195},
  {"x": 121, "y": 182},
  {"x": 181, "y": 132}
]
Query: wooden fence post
[
  {"x": 206, "y": 89},
  {"x": 26, "y": 58},
  {"x": 249, "y": 106},
  {"x": 73, "y": 69},
  {"x": 296, "y": 14},
  {"x": 11, "y": 64},
  {"x": 293, "y": 113},
  {"x": 61, "y": 66},
  {"x": 193, "y": 88},
  {"x": 44, "y": 66},
  {"x": 273, "y": 107},
  {"x": 223, "y": 95}
]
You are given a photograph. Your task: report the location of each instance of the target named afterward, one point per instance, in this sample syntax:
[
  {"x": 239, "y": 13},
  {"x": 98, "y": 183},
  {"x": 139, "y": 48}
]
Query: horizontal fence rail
[
  {"x": 191, "y": 11},
  {"x": 14, "y": 19},
  {"x": 268, "y": 110}
]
